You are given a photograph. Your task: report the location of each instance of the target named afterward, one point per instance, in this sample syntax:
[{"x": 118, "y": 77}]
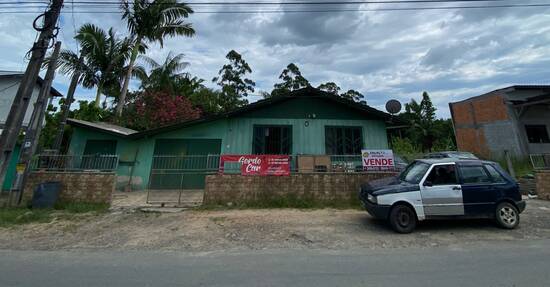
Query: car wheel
[
  {"x": 507, "y": 215},
  {"x": 402, "y": 219}
]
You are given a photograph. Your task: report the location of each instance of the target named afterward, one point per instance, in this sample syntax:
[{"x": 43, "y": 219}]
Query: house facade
[
  {"x": 9, "y": 84},
  {"x": 305, "y": 122},
  {"x": 514, "y": 119}
]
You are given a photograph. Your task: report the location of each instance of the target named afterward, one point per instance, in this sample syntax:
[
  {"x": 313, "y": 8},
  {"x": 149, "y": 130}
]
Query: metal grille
[
  {"x": 540, "y": 161},
  {"x": 75, "y": 163}
]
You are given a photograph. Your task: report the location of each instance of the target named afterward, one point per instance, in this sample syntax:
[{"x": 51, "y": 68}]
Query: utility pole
[
  {"x": 30, "y": 143},
  {"x": 21, "y": 101},
  {"x": 67, "y": 105}
]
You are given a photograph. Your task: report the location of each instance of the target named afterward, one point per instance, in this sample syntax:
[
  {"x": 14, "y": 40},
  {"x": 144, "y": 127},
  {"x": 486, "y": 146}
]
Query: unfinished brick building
[{"x": 514, "y": 119}]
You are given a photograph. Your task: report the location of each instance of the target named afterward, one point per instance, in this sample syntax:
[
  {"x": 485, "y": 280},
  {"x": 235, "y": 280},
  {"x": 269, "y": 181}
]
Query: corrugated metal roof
[{"x": 101, "y": 126}]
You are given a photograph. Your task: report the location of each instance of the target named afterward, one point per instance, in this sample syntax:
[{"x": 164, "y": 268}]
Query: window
[
  {"x": 272, "y": 140},
  {"x": 343, "y": 140},
  {"x": 414, "y": 172},
  {"x": 100, "y": 147},
  {"x": 537, "y": 134},
  {"x": 495, "y": 175},
  {"x": 443, "y": 175},
  {"x": 474, "y": 174}
]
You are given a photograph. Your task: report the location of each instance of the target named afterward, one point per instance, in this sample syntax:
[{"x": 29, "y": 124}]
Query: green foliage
[
  {"x": 17, "y": 216},
  {"x": 432, "y": 134},
  {"x": 355, "y": 96},
  {"x": 151, "y": 22},
  {"x": 103, "y": 60},
  {"x": 234, "y": 86},
  {"x": 86, "y": 111},
  {"x": 522, "y": 165},
  {"x": 206, "y": 99},
  {"x": 292, "y": 79},
  {"x": 165, "y": 77},
  {"x": 330, "y": 87}
]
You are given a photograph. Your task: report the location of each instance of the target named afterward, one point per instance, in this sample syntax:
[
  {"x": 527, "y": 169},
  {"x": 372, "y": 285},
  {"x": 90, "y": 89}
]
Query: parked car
[
  {"x": 442, "y": 189},
  {"x": 451, "y": 154}
]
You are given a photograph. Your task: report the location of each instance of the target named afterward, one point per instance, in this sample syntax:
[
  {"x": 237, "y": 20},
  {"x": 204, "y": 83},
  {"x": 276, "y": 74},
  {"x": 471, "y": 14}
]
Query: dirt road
[{"x": 199, "y": 230}]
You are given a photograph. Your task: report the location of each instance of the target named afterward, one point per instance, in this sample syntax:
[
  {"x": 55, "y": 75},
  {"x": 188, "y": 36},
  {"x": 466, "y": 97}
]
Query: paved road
[{"x": 518, "y": 263}]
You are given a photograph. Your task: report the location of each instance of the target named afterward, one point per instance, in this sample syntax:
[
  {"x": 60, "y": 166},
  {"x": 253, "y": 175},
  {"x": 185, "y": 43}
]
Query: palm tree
[
  {"x": 101, "y": 60},
  {"x": 150, "y": 22},
  {"x": 167, "y": 76}
]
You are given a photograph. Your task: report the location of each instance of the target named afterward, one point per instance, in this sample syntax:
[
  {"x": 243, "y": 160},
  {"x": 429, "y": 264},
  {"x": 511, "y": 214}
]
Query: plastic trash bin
[{"x": 46, "y": 194}]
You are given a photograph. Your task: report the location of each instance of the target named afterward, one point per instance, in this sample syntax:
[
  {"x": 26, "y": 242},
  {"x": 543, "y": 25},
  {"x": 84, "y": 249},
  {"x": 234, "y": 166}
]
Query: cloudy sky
[{"x": 452, "y": 54}]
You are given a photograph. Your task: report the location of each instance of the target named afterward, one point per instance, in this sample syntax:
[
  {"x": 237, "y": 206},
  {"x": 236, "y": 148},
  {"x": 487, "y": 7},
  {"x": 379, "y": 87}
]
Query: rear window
[
  {"x": 474, "y": 174},
  {"x": 495, "y": 175}
]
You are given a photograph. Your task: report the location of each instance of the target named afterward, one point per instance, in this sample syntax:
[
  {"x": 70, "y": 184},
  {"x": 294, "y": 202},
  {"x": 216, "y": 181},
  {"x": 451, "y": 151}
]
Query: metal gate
[{"x": 180, "y": 179}]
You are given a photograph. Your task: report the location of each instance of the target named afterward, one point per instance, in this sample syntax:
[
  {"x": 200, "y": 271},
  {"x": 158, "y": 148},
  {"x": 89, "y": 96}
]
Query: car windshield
[{"x": 414, "y": 172}]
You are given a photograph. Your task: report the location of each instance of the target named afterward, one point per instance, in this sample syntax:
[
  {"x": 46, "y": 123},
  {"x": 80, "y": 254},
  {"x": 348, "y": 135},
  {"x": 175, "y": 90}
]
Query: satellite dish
[{"x": 393, "y": 106}]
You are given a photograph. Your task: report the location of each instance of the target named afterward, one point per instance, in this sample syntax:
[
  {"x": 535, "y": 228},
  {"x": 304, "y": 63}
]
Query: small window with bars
[
  {"x": 343, "y": 140},
  {"x": 272, "y": 140}
]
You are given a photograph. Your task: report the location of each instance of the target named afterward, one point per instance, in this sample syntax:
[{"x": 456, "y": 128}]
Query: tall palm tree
[
  {"x": 150, "y": 22},
  {"x": 166, "y": 76},
  {"x": 102, "y": 60}
]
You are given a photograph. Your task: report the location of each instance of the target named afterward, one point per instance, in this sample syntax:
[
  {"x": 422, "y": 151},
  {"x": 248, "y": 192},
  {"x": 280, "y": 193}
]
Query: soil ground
[{"x": 207, "y": 230}]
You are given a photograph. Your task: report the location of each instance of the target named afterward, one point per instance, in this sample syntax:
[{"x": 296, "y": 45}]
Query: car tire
[
  {"x": 507, "y": 215},
  {"x": 402, "y": 219}
]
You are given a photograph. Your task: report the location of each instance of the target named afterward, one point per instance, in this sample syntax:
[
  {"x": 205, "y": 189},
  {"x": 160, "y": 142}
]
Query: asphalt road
[{"x": 517, "y": 263}]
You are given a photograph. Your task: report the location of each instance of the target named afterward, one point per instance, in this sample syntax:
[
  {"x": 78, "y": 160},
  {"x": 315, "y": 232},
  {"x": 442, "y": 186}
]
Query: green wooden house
[{"x": 305, "y": 122}]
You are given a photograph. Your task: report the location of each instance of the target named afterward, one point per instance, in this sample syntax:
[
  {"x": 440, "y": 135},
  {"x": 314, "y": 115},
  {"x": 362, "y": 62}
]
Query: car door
[
  {"x": 441, "y": 192},
  {"x": 477, "y": 190}
]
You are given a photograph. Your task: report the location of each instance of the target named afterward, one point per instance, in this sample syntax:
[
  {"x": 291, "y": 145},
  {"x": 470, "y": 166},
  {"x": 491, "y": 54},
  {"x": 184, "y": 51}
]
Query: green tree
[
  {"x": 425, "y": 128},
  {"x": 167, "y": 76},
  {"x": 151, "y": 22},
  {"x": 330, "y": 87},
  {"x": 292, "y": 79},
  {"x": 103, "y": 58},
  {"x": 234, "y": 86},
  {"x": 354, "y": 95}
]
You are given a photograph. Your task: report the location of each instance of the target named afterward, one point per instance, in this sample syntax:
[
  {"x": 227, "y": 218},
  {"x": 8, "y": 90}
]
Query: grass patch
[
  {"x": 522, "y": 166},
  {"x": 12, "y": 216},
  {"x": 17, "y": 216}
]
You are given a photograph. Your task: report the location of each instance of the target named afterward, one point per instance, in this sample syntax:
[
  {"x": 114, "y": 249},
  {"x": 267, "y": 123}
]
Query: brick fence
[
  {"x": 543, "y": 184},
  {"x": 324, "y": 188},
  {"x": 96, "y": 187}
]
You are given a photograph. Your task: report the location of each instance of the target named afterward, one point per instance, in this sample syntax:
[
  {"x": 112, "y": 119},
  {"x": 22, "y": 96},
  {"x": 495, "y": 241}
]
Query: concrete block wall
[
  {"x": 543, "y": 184},
  {"x": 238, "y": 189},
  {"x": 93, "y": 187}
]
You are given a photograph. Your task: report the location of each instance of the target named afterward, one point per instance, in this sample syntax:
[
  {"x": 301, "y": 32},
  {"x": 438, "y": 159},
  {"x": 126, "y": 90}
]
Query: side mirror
[{"x": 428, "y": 183}]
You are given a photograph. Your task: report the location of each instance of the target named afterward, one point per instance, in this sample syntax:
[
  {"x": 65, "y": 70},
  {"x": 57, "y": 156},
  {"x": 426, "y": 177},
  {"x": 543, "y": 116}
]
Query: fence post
[{"x": 509, "y": 164}]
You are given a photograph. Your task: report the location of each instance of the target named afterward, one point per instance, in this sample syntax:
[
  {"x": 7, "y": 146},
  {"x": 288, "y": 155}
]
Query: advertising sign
[
  {"x": 264, "y": 165},
  {"x": 377, "y": 159}
]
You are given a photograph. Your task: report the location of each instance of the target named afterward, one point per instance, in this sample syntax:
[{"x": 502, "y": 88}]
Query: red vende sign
[{"x": 278, "y": 165}]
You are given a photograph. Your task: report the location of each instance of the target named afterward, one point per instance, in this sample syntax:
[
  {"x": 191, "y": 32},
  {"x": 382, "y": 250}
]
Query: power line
[{"x": 540, "y": 5}]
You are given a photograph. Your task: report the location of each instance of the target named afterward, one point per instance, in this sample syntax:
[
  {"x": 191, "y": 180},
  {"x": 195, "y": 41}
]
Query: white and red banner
[
  {"x": 278, "y": 165},
  {"x": 377, "y": 159}
]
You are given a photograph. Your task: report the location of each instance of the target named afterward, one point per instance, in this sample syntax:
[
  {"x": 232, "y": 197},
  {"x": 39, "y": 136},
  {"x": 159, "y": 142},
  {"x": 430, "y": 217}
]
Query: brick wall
[
  {"x": 237, "y": 189},
  {"x": 543, "y": 184},
  {"x": 470, "y": 118},
  {"x": 76, "y": 186}
]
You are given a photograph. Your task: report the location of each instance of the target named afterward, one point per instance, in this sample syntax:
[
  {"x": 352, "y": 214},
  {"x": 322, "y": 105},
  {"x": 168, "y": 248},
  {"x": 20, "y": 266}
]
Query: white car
[{"x": 444, "y": 188}]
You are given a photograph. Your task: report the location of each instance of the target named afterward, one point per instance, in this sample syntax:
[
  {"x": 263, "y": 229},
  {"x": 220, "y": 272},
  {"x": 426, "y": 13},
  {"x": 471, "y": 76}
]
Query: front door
[{"x": 441, "y": 192}]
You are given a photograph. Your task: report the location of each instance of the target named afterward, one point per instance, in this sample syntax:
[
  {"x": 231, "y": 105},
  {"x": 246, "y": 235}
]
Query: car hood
[{"x": 388, "y": 185}]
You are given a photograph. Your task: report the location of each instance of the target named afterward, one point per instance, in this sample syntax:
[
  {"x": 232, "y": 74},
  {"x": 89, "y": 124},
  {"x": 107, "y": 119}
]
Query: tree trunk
[
  {"x": 98, "y": 96},
  {"x": 122, "y": 97}
]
